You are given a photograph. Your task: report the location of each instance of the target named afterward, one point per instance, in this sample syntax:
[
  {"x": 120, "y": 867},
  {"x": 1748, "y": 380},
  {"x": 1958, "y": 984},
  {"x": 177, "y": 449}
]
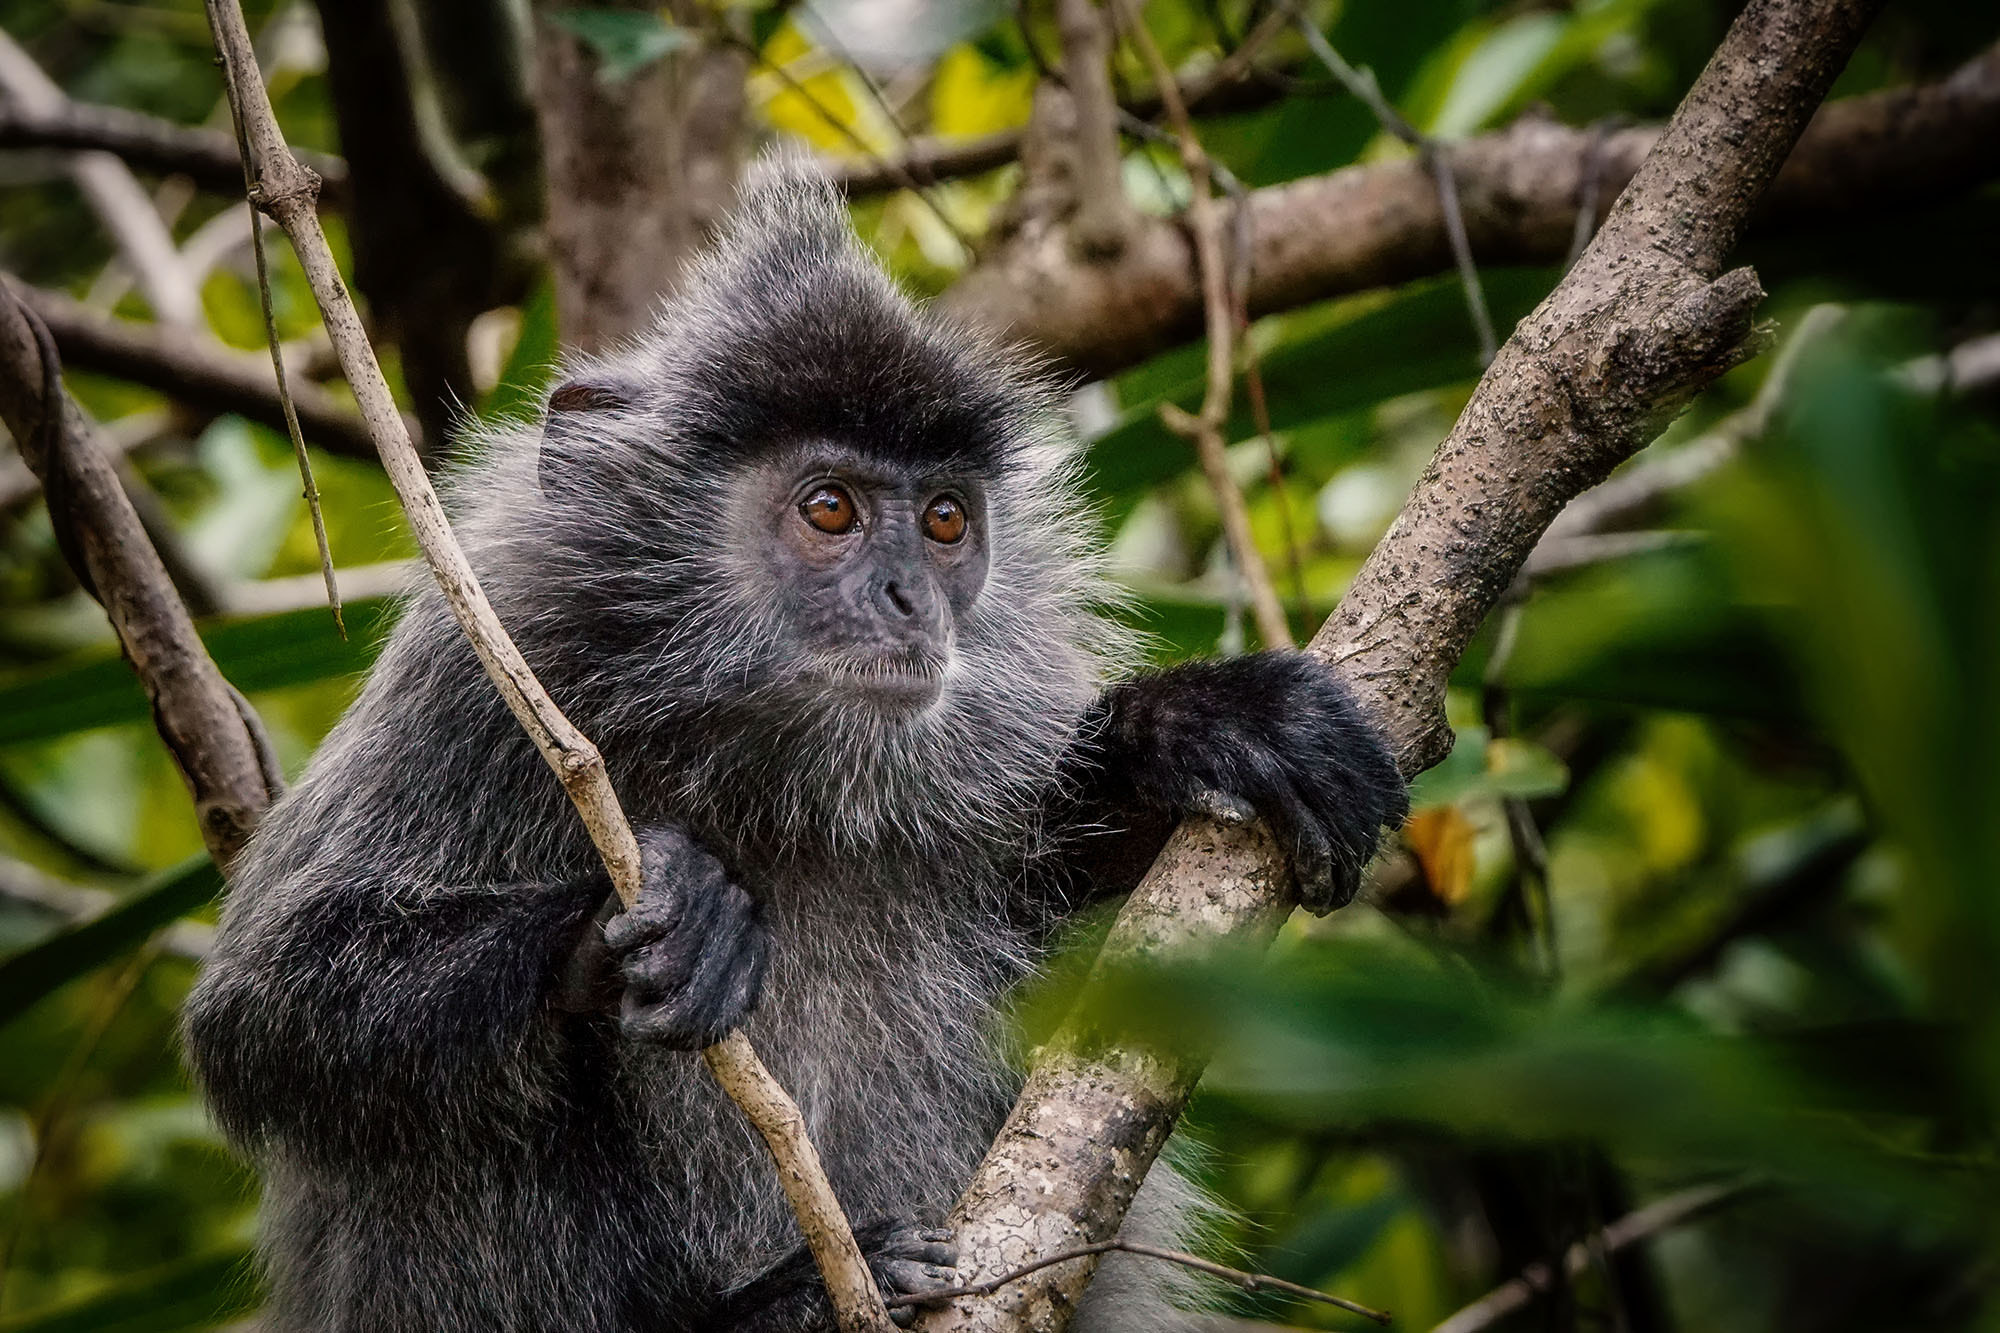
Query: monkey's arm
[
  {"x": 1275, "y": 732},
  {"x": 349, "y": 1022}
]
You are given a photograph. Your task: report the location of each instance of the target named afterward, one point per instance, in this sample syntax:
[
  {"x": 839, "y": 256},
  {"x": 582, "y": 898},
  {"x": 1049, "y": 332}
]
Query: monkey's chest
[{"x": 887, "y": 1035}]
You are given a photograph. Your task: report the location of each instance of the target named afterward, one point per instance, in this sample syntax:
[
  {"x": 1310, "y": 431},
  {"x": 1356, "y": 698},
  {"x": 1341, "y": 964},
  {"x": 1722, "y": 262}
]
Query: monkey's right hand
[{"x": 691, "y": 951}]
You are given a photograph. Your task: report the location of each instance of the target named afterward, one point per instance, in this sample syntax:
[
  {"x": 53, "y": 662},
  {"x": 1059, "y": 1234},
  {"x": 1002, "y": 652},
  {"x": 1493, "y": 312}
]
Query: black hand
[
  {"x": 1275, "y": 731},
  {"x": 691, "y": 952}
]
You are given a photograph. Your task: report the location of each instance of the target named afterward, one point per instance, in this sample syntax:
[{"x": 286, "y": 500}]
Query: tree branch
[
  {"x": 1641, "y": 1224},
  {"x": 206, "y": 376},
  {"x": 285, "y": 189},
  {"x": 638, "y": 172},
  {"x": 150, "y": 143},
  {"x": 1378, "y": 225},
  {"x": 1643, "y": 321},
  {"x": 209, "y": 730},
  {"x": 119, "y": 201}
]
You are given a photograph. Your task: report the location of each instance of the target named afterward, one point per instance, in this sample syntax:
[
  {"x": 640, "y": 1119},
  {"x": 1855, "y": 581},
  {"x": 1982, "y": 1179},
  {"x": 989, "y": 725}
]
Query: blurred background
[{"x": 1682, "y": 987}]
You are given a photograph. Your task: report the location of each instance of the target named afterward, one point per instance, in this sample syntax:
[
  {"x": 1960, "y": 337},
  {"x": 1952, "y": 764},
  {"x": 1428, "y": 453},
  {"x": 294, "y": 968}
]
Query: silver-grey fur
[{"x": 444, "y": 1150}]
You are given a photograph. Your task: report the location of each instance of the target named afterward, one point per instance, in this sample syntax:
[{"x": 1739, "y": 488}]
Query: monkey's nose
[{"x": 898, "y": 600}]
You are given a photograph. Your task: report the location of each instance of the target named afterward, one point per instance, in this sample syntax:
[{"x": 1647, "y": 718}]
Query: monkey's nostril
[{"x": 899, "y": 599}]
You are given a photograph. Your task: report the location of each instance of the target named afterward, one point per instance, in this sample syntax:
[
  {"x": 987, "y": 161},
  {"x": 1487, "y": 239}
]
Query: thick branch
[
  {"x": 1519, "y": 189},
  {"x": 206, "y": 157},
  {"x": 203, "y": 375},
  {"x": 639, "y": 172},
  {"x": 1642, "y": 321},
  {"x": 201, "y": 719}
]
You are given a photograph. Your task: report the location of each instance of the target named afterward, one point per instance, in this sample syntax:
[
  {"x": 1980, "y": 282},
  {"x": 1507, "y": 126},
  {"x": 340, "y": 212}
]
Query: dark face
[{"x": 871, "y": 569}]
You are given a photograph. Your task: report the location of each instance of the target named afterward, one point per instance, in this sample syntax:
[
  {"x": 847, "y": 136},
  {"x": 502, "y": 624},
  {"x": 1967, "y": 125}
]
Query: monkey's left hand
[{"x": 1276, "y": 732}]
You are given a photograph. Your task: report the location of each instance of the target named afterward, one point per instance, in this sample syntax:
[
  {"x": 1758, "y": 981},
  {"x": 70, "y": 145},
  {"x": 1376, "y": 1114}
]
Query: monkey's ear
[{"x": 581, "y": 414}]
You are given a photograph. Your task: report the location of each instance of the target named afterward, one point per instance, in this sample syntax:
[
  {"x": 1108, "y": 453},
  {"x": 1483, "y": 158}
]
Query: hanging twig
[
  {"x": 286, "y": 190},
  {"x": 311, "y": 488},
  {"x": 1436, "y": 158},
  {"x": 1641, "y": 1224},
  {"x": 1249, "y": 1282},
  {"x": 1204, "y": 429}
]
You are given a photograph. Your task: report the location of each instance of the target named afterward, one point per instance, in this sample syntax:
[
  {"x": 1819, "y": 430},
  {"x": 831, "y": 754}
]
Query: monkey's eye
[
  {"x": 829, "y": 509},
  {"x": 944, "y": 520}
]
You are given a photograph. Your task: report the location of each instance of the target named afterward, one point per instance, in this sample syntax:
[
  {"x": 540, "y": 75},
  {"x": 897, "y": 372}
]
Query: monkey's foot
[{"x": 909, "y": 1261}]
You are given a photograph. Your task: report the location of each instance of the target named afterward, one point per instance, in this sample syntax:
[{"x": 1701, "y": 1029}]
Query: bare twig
[
  {"x": 285, "y": 188},
  {"x": 1675, "y": 1210},
  {"x": 1249, "y": 1282},
  {"x": 1645, "y": 319},
  {"x": 213, "y": 737},
  {"x": 846, "y": 131},
  {"x": 119, "y": 201},
  {"x": 310, "y": 492},
  {"x": 1204, "y": 430},
  {"x": 1435, "y": 156}
]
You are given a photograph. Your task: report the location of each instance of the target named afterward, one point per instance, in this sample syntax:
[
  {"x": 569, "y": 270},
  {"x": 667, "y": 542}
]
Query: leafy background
[{"x": 1761, "y": 951}]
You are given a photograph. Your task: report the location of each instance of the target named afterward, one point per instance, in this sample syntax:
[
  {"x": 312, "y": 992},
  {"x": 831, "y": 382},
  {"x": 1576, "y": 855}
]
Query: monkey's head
[{"x": 804, "y": 528}]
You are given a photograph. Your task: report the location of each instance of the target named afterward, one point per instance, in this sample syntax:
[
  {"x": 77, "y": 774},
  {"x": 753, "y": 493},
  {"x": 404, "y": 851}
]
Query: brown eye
[
  {"x": 829, "y": 509},
  {"x": 944, "y": 520}
]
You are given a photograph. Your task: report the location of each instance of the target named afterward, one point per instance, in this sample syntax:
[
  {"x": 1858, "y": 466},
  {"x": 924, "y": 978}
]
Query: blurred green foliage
[{"x": 1706, "y": 893}]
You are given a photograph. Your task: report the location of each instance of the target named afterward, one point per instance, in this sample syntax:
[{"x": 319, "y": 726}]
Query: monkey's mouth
[{"x": 897, "y": 682}]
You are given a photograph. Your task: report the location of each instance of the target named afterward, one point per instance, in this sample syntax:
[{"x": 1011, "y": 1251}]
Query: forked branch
[{"x": 1644, "y": 320}]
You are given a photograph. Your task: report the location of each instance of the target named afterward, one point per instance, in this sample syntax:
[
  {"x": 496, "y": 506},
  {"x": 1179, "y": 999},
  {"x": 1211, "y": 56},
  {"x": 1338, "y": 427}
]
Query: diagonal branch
[
  {"x": 1643, "y": 321},
  {"x": 285, "y": 189},
  {"x": 210, "y": 377}
]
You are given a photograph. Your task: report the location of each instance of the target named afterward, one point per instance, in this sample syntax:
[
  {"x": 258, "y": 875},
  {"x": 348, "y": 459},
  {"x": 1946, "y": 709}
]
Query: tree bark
[
  {"x": 1379, "y": 225},
  {"x": 639, "y": 172},
  {"x": 1644, "y": 320}
]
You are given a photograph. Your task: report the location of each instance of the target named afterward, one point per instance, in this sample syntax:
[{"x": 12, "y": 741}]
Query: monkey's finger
[{"x": 910, "y": 1278}]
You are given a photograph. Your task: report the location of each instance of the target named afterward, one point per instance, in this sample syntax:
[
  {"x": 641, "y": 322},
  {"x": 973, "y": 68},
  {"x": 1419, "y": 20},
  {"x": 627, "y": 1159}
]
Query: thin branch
[
  {"x": 285, "y": 189},
  {"x": 118, "y": 199},
  {"x": 846, "y": 131},
  {"x": 1381, "y": 224},
  {"x": 202, "y": 374},
  {"x": 1662, "y": 1215},
  {"x": 310, "y": 491},
  {"x": 1253, "y": 1283},
  {"x": 1644, "y": 321},
  {"x": 1435, "y": 156},
  {"x": 214, "y": 739},
  {"x": 1204, "y": 430}
]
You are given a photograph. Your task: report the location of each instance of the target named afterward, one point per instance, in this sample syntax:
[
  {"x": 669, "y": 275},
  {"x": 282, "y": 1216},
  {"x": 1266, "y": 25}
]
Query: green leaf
[
  {"x": 96, "y": 688},
  {"x": 624, "y": 41},
  {"x": 207, "y": 1291},
  {"x": 37, "y": 971}
]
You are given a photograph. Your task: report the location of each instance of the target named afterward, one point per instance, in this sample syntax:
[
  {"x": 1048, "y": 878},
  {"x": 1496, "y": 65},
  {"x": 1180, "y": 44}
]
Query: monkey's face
[{"x": 872, "y": 569}]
